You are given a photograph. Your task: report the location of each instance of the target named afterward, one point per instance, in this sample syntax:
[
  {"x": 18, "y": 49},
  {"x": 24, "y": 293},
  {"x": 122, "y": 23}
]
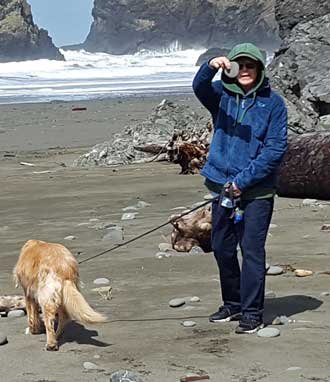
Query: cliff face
[
  {"x": 126, "y": 26},
  {"x": 301, "y": 68},
  {"x": 20, "y": 38}
]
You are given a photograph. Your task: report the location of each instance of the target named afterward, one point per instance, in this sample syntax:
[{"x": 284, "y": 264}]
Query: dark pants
[{"x": 242, "y": 289}]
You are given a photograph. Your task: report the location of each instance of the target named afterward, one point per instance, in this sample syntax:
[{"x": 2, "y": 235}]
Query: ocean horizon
[{"x": 84, "y": 76}]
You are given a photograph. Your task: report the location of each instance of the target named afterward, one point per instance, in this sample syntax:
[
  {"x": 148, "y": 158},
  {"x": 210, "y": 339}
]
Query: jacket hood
[{"x": 245, "y": 50}]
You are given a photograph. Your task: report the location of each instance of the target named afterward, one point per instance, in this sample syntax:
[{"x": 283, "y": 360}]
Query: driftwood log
[
  {"x": 8, "y": 303},
  {"x": 192, "y": 230},
  {"x": 304, "y": 173},
  {"x": 305, "y": 170}
]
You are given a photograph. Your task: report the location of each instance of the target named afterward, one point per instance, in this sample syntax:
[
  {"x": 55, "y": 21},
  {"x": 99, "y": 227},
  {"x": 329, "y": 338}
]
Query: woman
[{"x": 248, "y": 144}]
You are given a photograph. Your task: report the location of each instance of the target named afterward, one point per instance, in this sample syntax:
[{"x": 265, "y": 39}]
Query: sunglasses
[{"x": 247, "y": 65}]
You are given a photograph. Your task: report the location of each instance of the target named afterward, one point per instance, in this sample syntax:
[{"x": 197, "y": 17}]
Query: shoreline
[{"x": 28, "y": 127}]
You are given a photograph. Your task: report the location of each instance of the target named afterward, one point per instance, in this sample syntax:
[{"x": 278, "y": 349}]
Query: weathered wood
[
  {"x": 8, "y": 303},
  {"x": 305, "y": 171},
  {"x": 192, "y": 230},
  {"x": 152, "y": 148}
]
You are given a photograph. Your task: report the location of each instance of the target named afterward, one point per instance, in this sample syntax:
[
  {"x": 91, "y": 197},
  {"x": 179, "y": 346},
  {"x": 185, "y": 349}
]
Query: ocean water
[{"x": 86, "y": 75}]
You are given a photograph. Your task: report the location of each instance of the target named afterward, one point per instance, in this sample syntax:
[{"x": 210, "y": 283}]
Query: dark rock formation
[
  {"x": 126, "y": 26},
  {"x": 301, "y": 68},
  {"x": 20, "y": 38}
]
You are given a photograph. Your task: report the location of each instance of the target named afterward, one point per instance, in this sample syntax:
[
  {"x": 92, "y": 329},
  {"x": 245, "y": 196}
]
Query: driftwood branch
[{"x": 8, "y": 303}]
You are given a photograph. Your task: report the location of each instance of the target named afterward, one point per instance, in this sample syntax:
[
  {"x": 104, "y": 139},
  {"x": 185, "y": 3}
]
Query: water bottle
[{"x": 238, "y": 216}]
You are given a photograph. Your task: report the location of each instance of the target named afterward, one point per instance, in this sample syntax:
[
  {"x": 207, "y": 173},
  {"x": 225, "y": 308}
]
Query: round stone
[
  {"x": 274, "y": 270},
  {"x": 3, "y": 339},
  {"x": 101, "y": 280},
  {"x": 164, "y": 247},
  {"x": 16, "y": 313},
  {"x": 176, "y": 302},
  {"x": 268, "y": 332},
  {"x": 188, "y": 324},
  {"x": 195, "y": 299},
  {"x": 124, "y": 376},
  {"x": 70, "y": 237},
  {"x": 90, "y": 366}
]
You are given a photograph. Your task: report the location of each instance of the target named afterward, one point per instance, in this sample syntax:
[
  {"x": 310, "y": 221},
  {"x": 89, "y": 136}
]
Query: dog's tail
[{"x": 77, "y": 307}]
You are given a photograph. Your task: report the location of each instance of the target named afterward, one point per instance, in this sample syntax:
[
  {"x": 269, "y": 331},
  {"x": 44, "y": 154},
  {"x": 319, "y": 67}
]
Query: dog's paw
[
  {"x": 51, "y": 347},
  {"x": 27, "y": 330}
]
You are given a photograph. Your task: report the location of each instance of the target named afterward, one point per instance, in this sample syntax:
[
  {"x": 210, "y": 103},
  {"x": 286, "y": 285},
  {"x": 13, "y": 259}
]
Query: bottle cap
[{"x": 233, "y": 71}]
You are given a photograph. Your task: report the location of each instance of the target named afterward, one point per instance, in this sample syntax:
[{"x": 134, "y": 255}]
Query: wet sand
[{"x": 52, "y": 200}]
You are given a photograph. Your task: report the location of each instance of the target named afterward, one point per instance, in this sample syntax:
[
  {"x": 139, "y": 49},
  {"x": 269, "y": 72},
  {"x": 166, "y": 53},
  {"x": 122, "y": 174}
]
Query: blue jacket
[{"x": 250, "y": 132}]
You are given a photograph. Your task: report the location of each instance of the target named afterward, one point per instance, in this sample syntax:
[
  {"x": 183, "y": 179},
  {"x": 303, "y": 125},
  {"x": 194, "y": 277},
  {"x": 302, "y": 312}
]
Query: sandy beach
[{"x": 52, "y": 200}]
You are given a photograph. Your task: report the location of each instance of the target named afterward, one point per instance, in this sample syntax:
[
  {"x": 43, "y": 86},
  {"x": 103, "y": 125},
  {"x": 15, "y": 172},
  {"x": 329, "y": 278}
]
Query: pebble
[
  {"x": 128, "y": 216},
  {"x": 70, "y": 237},
  {"x": 194, "y": 299},
  {"x": 3, "y": 339},
  {"x": 142, "y": 204},
  {"x": 90, "y": 366},
  {"x": 309, "y": 202},
  {"x": 16, "y": 313},
  {"x": 324, "y": 294},
  {"x": 268, "y": 332},
  {"x": 176, "y": 302},
  {"x": 274, "y": 270},
  {"x": 101, "y": 280},
  {"x": 293, "y": 368},
  {"x": 164, "y": 247},
  {"x": 281, "y": 320},
  {"x": 162, "y": 255},
  {"x": 196, "y": 250},
  {"x": 115, "y": 234},
  {"x": 270, "y": 294},
  {"x": 124, "y": 376},
  {"x": 188, "y": 324}
]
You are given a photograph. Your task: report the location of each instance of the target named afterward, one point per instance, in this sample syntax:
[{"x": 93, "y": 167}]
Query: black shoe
[
  {"x": 224, "y": 315},
  {"x": 247, "y": 326}
]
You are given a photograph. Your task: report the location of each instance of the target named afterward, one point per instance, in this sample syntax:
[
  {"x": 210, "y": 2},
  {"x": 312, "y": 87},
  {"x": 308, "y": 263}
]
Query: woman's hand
[{"x": 220, "y": 63}]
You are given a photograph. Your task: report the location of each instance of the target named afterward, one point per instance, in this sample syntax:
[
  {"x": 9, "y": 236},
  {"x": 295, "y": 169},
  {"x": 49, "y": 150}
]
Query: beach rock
[
  {"x": 274, "y": 270},
  {"x": 90, "y": 366},
  {"x": 268, "y": 332},
  {"x": 115, "y": 234},
  {"x": 20, "y": 38},
  {"x": 302, "y": 273},
  {"x": 188, "y": 324},
  {"x": 194, "y": 299},
  {"x": 128, "y": 216},
  {"x": 70, "y": 237},
  {"x": 101, "y": 281},
  {"x": 161, "y": 255},
  {"x": 16, "y": 313},
  {"x": 176, "y": 302},
  {"x": 3, "y": 339},
  {"x": 124, "y": 376},
  {"x": 164, "y": 247},
  {"x": 293, "y": 368}
]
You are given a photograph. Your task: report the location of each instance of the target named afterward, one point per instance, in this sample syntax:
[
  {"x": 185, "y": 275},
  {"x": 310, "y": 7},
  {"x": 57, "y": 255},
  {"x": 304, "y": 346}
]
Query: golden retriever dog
[{"x": 48, "y": 274}]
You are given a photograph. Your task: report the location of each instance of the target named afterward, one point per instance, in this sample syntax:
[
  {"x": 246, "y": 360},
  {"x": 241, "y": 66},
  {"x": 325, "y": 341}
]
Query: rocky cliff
[
  {"x": 126, "y": 26},
  {"x": 20, "y": 38},
  {"x": 301, "y": 68}
]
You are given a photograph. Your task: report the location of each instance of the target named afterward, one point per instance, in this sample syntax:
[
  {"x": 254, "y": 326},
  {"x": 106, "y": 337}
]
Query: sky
[{"x": 67, "y": 21}]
